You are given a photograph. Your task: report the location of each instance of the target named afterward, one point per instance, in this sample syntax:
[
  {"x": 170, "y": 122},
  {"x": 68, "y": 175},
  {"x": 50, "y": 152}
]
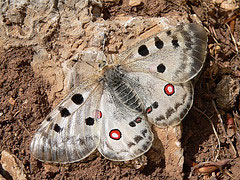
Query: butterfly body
[
  {"x": 122, "y": 91},
  {"x": 115, "y": 100}
]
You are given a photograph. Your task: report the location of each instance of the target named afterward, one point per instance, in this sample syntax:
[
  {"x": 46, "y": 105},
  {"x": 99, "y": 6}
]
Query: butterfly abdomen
[
  {"x": 128, "y": 96},
  {"x": 122, "y": 90}
]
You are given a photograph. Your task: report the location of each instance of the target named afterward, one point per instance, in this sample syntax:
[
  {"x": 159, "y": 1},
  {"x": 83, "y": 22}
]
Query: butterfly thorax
[{"x": 121, "y": 89}]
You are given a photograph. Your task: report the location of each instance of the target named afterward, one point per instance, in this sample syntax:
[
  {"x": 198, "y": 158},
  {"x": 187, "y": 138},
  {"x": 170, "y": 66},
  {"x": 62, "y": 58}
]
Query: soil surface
[{"x": 24, "y": 103}]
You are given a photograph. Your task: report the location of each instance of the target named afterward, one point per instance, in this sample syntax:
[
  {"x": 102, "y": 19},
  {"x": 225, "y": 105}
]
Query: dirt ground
[{"x": 24, "y": 103}]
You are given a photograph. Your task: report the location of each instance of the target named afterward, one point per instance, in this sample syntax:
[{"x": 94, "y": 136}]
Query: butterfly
[{"x": 117, "y": 99}]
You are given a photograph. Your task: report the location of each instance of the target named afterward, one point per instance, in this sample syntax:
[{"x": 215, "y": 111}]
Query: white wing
[
  {"x": 176, "y": 55},
  {"x": 70, "y": 132},
  {"x": 165, "y": 103},
  {"x": 125, "y": 134}
]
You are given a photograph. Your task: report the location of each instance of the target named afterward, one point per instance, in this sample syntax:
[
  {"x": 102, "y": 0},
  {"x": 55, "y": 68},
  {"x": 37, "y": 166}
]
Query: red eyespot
[
  {"x": 138, "y": 120},
  {"x": 98, "y": 114},
  {"x": 169, "y": 89},
  {"x": 115, "y": 134},
  {"x": 149, "y": 109}
]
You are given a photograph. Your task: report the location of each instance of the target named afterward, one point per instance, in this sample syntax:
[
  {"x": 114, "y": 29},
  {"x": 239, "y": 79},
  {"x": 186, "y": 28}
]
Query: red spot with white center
[
  {"x": 98, "y": 114},
  {"x": 169, "y": 89},
  {"x": 115, "y": 134}
]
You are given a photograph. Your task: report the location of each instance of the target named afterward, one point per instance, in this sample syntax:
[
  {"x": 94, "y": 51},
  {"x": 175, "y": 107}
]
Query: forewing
[
  {"x": 175, "y": 55},
  {"x": 70, "y": 132},
  {"x": 125, "y": 134},
  {"x": 165, "y": 103}
]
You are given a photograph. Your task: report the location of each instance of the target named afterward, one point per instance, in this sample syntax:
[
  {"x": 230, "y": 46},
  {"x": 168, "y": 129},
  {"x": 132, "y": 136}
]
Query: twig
[
  {"x": 22, "y": 123},
  {"x": 213, "y": 34},
  {"x": 214, "y": 130},
  {"x": 233, "y": 38},
  {"x": 209, "y": 167},
  {"x": 225, "y": 133},
  {"x": 236, "y": 123}
]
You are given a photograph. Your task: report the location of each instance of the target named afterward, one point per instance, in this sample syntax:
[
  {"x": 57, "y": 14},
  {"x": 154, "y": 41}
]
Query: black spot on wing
[
  {"x": 161, "y": 68},
  {"x": 155, "y": 105},
  {"x": 144, "y": 132},
  {"x": 64, "y": 112},
  {"x": 175, "y": 43},
  {"x": 49, "y": 119},
  {"x": 77, "y": 99},
  {"x": 89, "y": 121},
  {"x": 57, "y": 128},
  {"x": 158, "y": 43},
  {"x": 130, "y": 144},
  {"x": 132, "y": 124},
  {"x": 143, "y": 50},
  {"x": 160, "y": 118},
  {"x": 169, "y": 112},
  {"x": 169, "y": 32},
  {"x": 177, "y": 105},
  {"x": 138, "y": 138}
]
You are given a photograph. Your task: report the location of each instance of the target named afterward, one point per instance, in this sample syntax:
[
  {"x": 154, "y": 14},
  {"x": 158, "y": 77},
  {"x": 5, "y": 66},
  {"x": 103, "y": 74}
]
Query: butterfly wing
[
  {"x": 165, "y": 103},
  {"x": 125, "y": 134},
  {"x": 70, "y": 132},
  {"x": 175, "y": 55}
]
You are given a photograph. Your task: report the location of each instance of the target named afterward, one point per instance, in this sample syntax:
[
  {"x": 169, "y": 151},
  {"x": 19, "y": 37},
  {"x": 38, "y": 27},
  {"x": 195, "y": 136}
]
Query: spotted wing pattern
[
  {"x": 175, "y": 55},
  {"x": 125, "y": 134},
  {"x": 110, "y": 110},
  {"x": 70, "y": 132},
  {"x": 166, "y": 104}
]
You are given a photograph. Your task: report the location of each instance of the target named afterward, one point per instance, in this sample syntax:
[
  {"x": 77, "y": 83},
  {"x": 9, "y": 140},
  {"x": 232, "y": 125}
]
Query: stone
[
  {"x": 227, "y": 5},
  {"x": 112, "y": 1},
  {"x": 171, "y": 151},
  {"x": 12, "y": 166},
  {"x": 134, "y": 3},
  {"x": 227, "y": 91}
]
